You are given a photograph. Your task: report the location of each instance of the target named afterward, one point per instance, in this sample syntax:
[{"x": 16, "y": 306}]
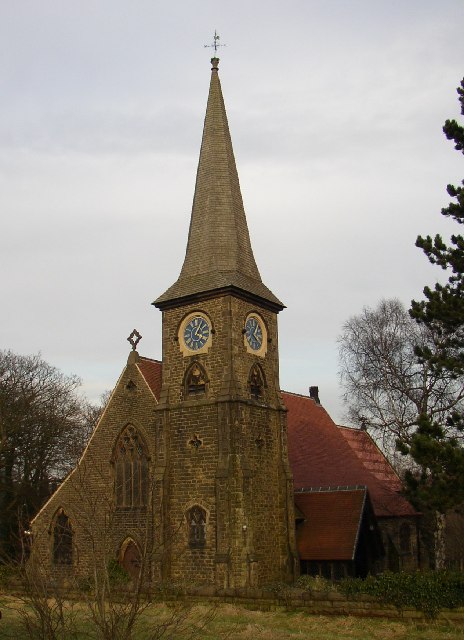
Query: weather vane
[{"x": 215, "y": 45}]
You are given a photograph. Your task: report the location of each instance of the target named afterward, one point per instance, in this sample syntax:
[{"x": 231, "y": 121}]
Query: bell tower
[{"x": 223, "y": 486}]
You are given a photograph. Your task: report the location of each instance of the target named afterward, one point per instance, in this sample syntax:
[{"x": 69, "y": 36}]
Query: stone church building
[{"x": 201, "y": 471}]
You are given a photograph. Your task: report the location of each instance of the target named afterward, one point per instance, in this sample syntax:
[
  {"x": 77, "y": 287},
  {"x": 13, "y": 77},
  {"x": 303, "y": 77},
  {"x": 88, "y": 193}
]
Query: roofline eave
[{"x": 192, "y": 298}]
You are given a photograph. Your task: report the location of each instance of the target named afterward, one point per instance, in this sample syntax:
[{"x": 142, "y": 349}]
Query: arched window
[
  {"x": 405, "y": 538},
  {"x": 196, "y": 518},
  {"x": 195, "y": 380},
  {"x": 131, "y": 469},
  {"x": 256, "y": 381},
  {"x": 62, "y": 540}
]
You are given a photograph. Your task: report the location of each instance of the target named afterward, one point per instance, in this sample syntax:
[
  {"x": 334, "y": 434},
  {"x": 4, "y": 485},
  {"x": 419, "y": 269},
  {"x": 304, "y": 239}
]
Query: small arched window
[
  {"x": 62, "y": 540},
  {"x": 405, "y": 538},
  {"x": 131, "y": 469},
  {"x": 196, "y": 518},
  {"x": 195, "y": 380},
  {"x": 256, "y": 382}
]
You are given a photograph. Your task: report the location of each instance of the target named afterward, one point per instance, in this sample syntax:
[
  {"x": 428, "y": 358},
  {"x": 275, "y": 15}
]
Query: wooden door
[{"x": 131, "y": 560}]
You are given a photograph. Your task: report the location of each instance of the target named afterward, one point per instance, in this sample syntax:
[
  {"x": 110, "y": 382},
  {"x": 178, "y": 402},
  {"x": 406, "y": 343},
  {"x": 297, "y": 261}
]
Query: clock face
[
  {"x": 254, "y": 333},
  {"x": 196, "y": 333}
]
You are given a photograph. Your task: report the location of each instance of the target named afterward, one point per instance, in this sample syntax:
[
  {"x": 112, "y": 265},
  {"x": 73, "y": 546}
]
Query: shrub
[
  {"x": 314, "y": 584},
  {"x": 8, "y": 573},
  {"x": 117, "y": 575},
  {"x": 428, "y": 592}
]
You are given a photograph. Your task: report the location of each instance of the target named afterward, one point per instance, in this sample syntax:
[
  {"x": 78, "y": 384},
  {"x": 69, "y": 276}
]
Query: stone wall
[{"x": 316, "y": 603}]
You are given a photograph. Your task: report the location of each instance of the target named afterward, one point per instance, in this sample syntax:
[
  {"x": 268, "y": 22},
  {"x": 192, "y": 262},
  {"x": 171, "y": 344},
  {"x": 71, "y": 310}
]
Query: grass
[{"x": 237, "y": 623}]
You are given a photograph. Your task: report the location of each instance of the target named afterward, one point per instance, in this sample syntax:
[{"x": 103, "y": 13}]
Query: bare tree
[
  {"x": 385, "y": 386},
  {"x": 44, "y": 424}
]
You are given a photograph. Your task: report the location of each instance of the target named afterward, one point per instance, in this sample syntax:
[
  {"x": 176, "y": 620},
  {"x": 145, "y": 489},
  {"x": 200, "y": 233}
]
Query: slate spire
[{"x": 219, "y": 257}]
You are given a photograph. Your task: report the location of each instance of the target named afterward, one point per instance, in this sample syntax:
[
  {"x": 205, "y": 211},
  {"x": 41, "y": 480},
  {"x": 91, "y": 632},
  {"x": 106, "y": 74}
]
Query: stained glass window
[{"x": 131, "y": 469}]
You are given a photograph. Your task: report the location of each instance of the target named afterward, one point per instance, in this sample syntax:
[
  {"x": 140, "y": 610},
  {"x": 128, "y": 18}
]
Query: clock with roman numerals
[
  {"x": 195, "y": 334},
  {"x": 255, "y": 335}
]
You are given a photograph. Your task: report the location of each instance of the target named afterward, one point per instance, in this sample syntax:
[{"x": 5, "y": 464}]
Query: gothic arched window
[
  {"x": 131, "y": 469},
  {"x": 256, "y": 381},
  {"x": 62, "y": 539},
  {"x": 196, "y": 518},
  {"x": 195, "y": 380}
]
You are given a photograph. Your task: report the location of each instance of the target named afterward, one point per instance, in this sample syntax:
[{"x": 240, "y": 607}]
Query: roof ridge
[
  {"x": 150, "y": 359},
  {"x": 331, "y": 488},
  {"x": 299, "y": 395}
]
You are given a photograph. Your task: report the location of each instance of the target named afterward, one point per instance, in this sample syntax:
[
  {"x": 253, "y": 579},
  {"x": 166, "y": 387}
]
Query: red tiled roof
[
  {"x": 320, "y": 456},
  {"x": 371, "y": 456},
  {"x": 330, "y": 530},
  {"x": 151, "y": 371}
]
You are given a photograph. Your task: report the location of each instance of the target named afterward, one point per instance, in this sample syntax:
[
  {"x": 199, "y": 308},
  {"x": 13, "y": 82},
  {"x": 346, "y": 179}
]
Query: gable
[
  {"x": 320, "y": 456},
  {"x": 331, "y": 526},
  {"x": 131, "y": 402}
]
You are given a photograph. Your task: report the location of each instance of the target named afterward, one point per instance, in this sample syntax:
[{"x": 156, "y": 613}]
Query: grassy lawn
[{"x": 230, "y": 621}]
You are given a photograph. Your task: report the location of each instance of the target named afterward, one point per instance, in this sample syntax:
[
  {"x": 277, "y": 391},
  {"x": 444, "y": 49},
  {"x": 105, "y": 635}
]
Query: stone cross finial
[
  {"x": 134, "y": 339},
  {"x": 215, "y": 45}
]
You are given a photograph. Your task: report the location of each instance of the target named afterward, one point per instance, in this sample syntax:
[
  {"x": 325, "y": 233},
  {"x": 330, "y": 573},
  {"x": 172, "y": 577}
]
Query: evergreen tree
[{"x": 437, "y": 448}]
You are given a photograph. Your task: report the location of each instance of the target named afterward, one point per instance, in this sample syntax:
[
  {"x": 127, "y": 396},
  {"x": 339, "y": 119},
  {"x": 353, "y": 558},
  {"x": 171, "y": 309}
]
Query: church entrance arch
[{"x": 130, "y": 558}]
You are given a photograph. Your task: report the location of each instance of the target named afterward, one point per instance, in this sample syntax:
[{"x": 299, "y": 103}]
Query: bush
[
  {"x": 117, "y": 575},
  {"x": 9, "y": 573},
  {"x": 428, "y": 592},
  {"x": 314, "y": 584}
]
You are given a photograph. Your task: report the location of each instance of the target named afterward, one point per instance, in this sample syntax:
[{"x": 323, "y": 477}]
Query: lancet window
[
  {"x": 256, "y": 382},
  {"x": 62, "y": 540},
  {"x": 196, "y": 518},
  {"x": 195, "y": 380},
  {"x": 131, "y": 469}
]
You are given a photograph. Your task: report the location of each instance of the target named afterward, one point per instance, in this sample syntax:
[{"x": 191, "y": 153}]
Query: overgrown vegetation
[
  {"x": 429, "y": 592},
  {"x": 237, "y": 623}
]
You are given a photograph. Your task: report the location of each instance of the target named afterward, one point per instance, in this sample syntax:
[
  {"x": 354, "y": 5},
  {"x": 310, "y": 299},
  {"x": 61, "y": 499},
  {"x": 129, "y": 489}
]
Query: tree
[
  {"x": 385, "y": 386},
  {"x": 436, "y": 446},
  {"x": 44, "y": 424}
]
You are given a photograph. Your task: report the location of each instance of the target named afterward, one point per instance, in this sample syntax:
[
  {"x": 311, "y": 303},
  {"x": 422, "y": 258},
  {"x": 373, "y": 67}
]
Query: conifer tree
[{"x": 437, "y": 448}]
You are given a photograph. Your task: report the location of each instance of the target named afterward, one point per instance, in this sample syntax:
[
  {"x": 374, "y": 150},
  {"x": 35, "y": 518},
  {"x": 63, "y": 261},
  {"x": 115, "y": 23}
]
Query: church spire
[{"x": 219, "y": 257}]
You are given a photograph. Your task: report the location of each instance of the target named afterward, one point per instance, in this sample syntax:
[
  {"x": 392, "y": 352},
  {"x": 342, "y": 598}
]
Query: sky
[{"x": 335, "y": 109}]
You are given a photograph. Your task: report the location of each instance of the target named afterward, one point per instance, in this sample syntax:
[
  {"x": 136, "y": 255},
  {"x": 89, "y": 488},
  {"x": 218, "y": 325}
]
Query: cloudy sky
[{"x": 335, "y": 109}]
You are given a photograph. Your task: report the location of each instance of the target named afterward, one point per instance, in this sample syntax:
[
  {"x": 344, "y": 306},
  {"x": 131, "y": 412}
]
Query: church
[{"x": 201, "y": 470}]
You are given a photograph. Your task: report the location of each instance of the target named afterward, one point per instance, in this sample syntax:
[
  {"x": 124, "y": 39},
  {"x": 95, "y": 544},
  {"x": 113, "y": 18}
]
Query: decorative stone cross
[{"x": 134, "y": 339}]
